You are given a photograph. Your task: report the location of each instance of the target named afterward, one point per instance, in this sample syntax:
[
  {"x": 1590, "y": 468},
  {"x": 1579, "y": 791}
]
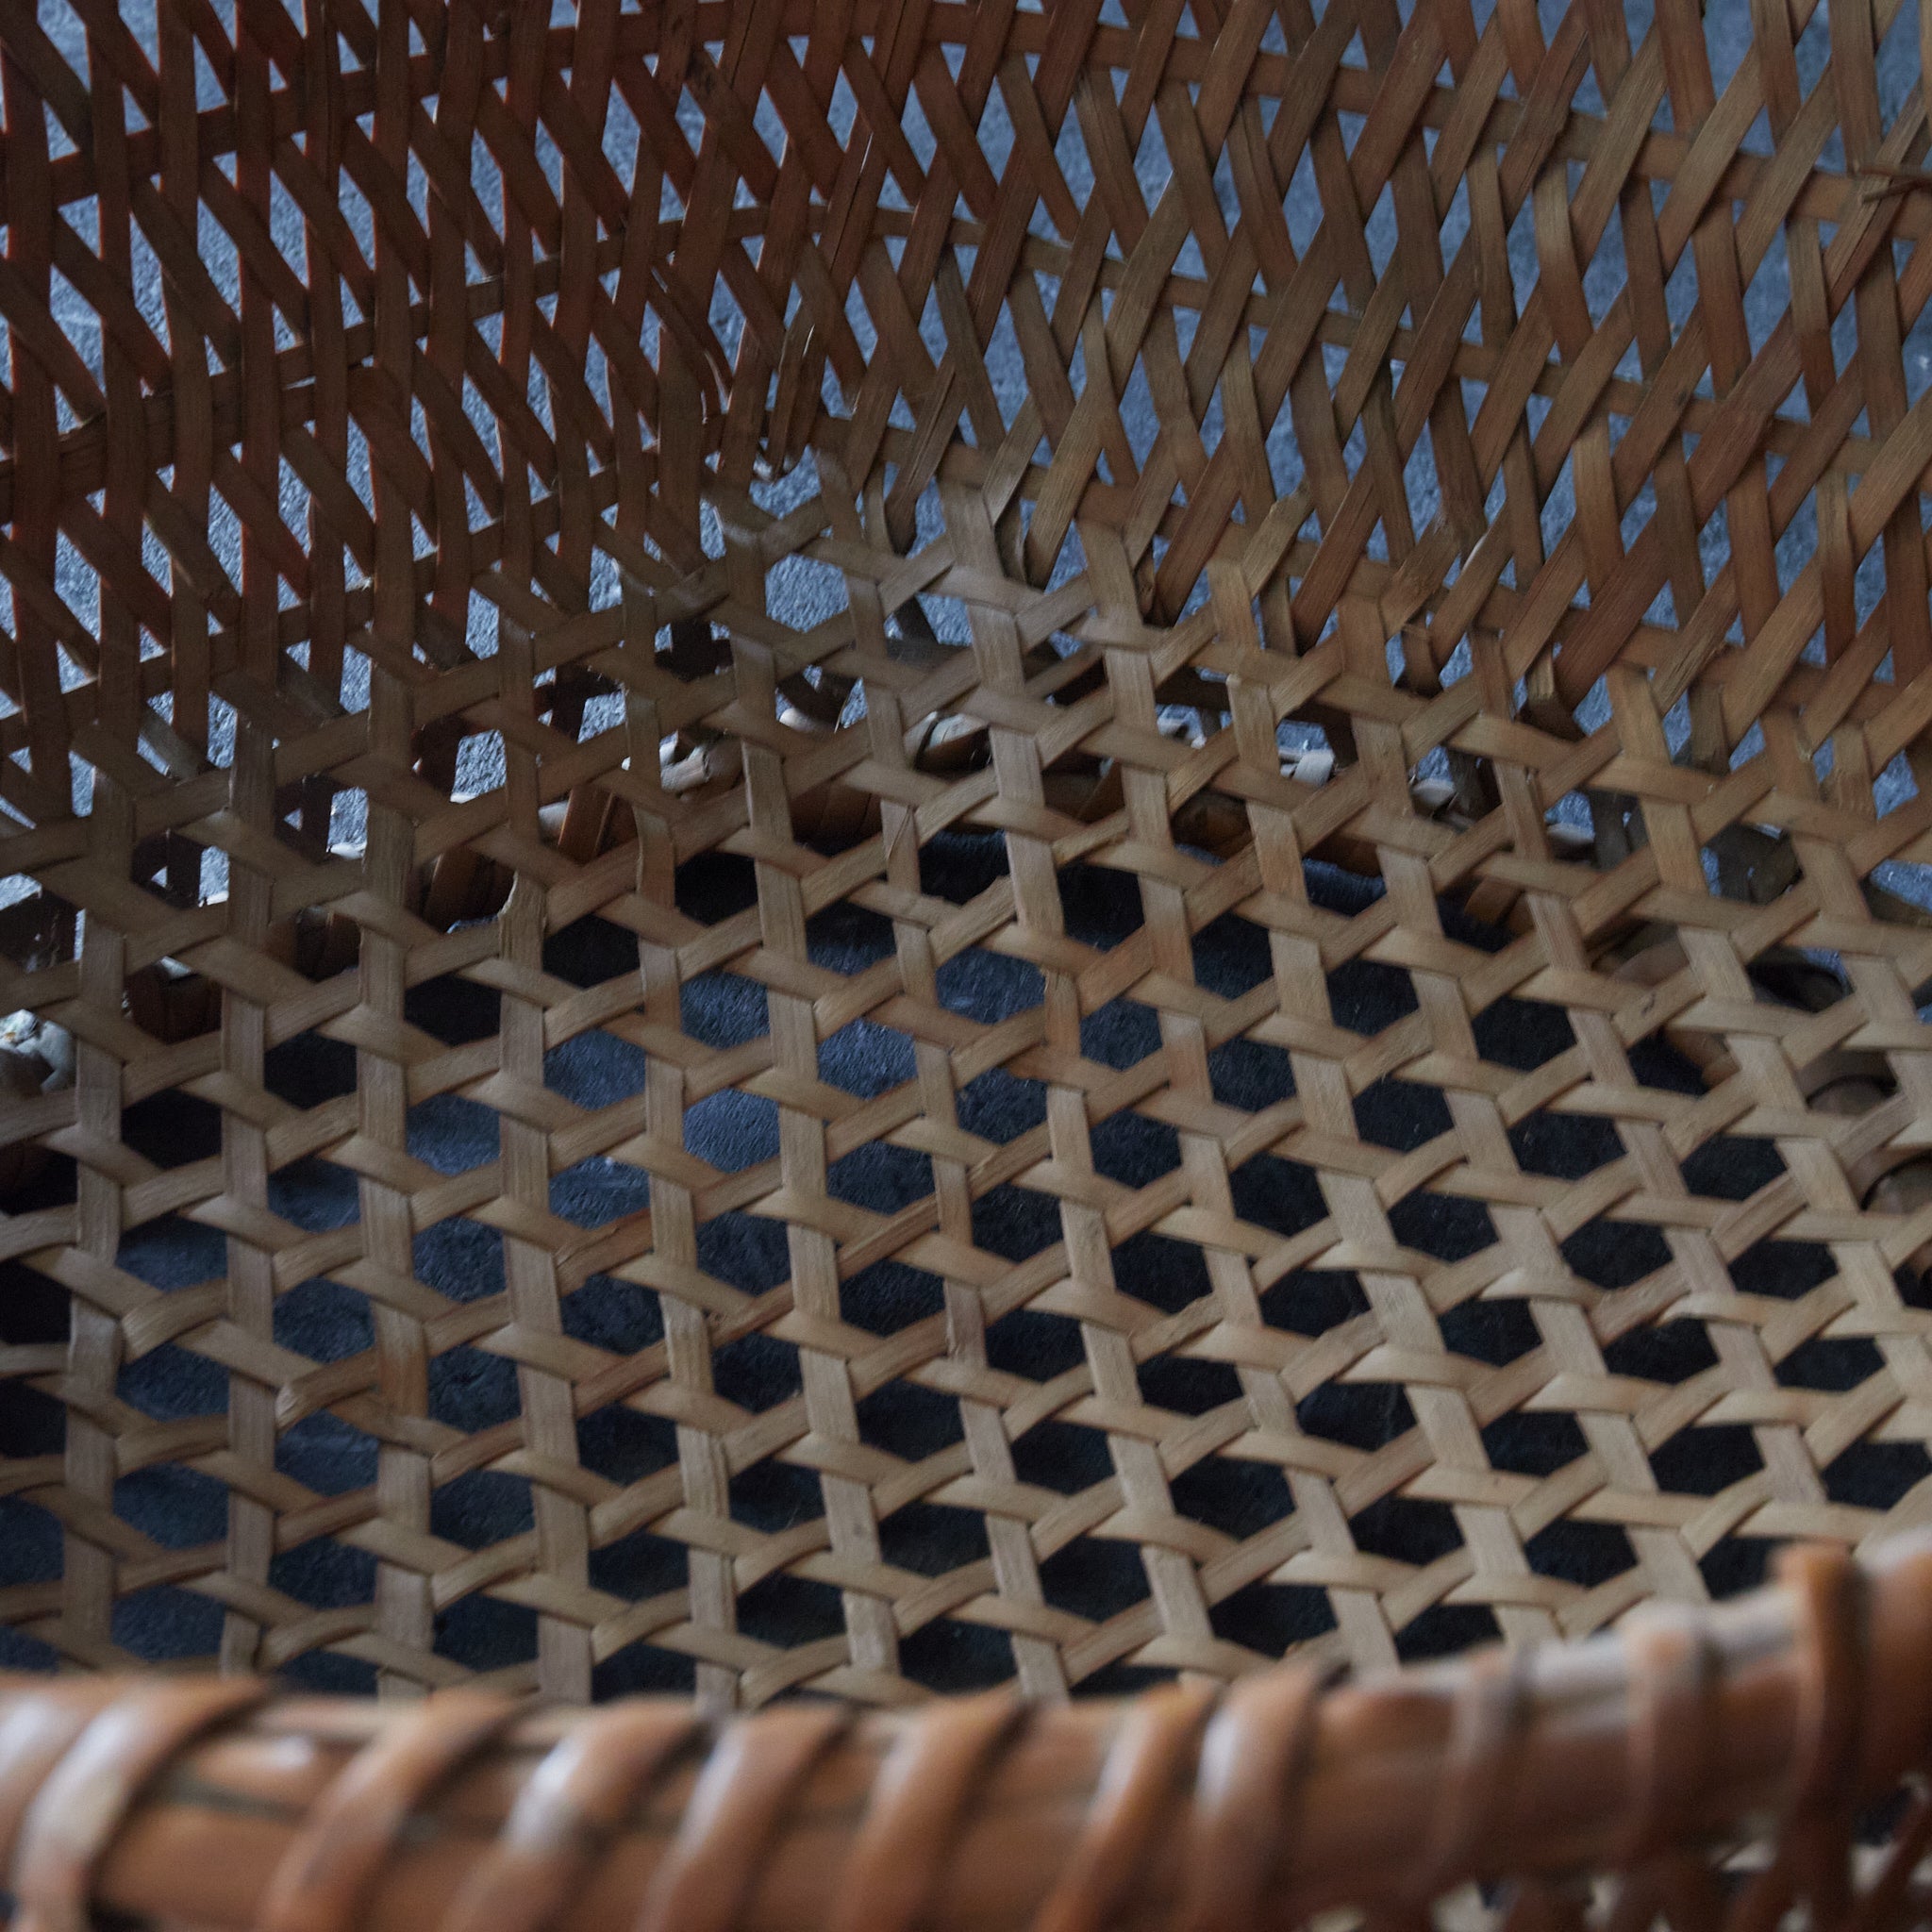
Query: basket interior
[{"x": 865, "y": 847}]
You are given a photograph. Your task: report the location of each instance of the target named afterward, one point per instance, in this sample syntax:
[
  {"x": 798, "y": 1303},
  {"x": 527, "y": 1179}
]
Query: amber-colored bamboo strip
[{"x": 1679, "y": 1729}]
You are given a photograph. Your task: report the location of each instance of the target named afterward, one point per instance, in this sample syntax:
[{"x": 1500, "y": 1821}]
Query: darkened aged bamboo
[
  {"x": 419, "y": 418},
  {"x": 1638, "y": 1755}
]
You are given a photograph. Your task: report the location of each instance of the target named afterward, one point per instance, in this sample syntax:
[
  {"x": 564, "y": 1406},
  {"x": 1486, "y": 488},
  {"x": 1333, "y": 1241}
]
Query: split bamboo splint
[{"x": 793, "y": 606}]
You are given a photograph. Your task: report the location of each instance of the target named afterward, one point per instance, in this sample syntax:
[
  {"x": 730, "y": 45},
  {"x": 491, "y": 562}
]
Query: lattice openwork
[{"x": 864, "y": 845}]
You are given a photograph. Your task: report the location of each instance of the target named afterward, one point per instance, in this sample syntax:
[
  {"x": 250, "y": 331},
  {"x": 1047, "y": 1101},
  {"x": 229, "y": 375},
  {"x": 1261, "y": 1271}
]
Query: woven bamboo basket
[{"x": 863, "y": 849}]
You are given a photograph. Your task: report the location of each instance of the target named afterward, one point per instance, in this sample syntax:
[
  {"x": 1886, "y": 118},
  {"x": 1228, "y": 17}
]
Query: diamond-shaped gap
[
  {"x": 1186, "y": 1386},
  {"x": 1491, "y": 1332},
  {"x": 449, "y": 1008},
  {"x": 1138, "y": 415},
  {"x": 450, "y": 1134},
  {"x": 1036, "y": 1345},
  {"x": 859, "y": 320},
  {"x": 1422, "y": 483},
  {"x": 173, "y": 1505},
  {"x": 461, "y": 1259},
  {"x": 1015, "y": 1222},
  {"x": 744, "y": 1251},
  {"x": 1162, "y": 1272},
  {"x": 1278, "y": 1194},
  {"x": 1731, "y": 1167},
  {"x": 165, "y": 1624},
  {"x": 1830, "y": 1363},
  {"x": 1534, "y": 1442},
  {"x": 1449, "y": 1227},
  {"x": 1351, "y": 125},
  {"x": 1213, "y": 419},
  {"x": 880, "y": 1177},
  {"x": 1614, "y": 1253},
  {"x": 172, "y": 1129},
  {"x": 1132, "y": 1150},
  {"x": 954, "y": 1657},
  {"x": 1301, "y": 205},
  {"x": 315, "y": 1195},
  {"x": 1232, "y": 956},
  {"x": 1312, "y": 1301},
  {"x": 620, "y": 1317},
  {"x": 1560, "y": 500},
  {"x": 1096, "y": 1577},
  {"x": 866, "y": 1058},
  {"x": 712, "y": 886},
  {"x": 480, "y": 1508},
  {"x": 891, "y": 1295},
  {"x": 1783, "y": 1268},
  {"x": 990, "y": 986},
  {"x": 1585, "y": 1553},
  {"x": 1273, "y": 1618},
  {"x": 1249, "y": 1073},
  {"x": 1121, "y": 1034},
  {"x": 846, "y": 938},
  {"x": 732, "y": 1130},
  {"x": 1637, "y": 516},
  {"x": 1564, "y": 1146},
  {"x": 908, "y": 1421},
  {"x": 485, "y": 1633},
  {"x": 471, "y": 1388},
  {"x": 324, "y": 1320},
  {"x": 598, "y": 1191},
  {"x": 1356, "y": 1415}
]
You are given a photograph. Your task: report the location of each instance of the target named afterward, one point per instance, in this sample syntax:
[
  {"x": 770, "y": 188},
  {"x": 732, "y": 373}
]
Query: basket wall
[{"x": 773, "y": 621}]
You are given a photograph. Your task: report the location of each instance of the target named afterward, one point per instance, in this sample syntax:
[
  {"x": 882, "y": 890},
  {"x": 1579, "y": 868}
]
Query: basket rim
[{"x": 224, "y": 1801}]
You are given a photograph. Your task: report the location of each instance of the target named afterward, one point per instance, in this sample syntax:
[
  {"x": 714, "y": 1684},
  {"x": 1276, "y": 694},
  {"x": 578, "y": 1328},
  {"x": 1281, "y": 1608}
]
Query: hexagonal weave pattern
[{"x": 690, "y": 691}]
